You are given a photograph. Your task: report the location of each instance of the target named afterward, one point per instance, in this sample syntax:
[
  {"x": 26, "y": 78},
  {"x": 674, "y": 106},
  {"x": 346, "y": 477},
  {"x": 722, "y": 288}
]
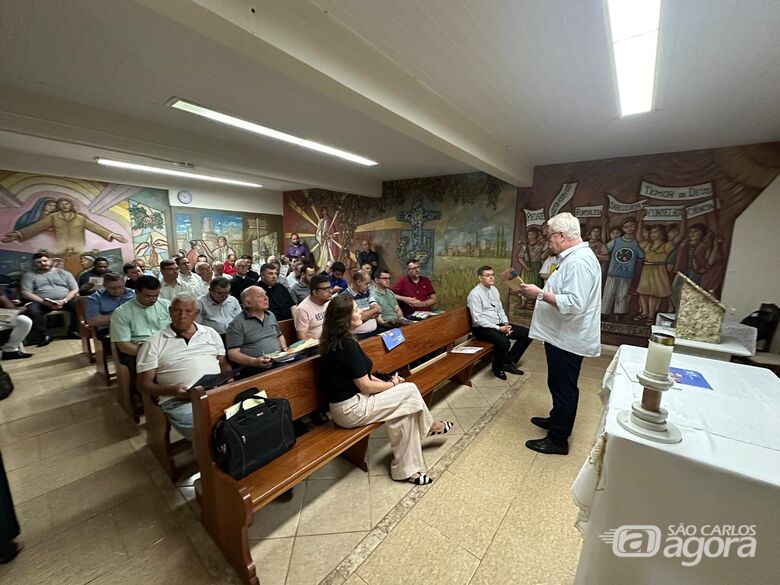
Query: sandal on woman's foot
[
  {"x": 420, "y": 479},
  {"x": 448, "y": 424}
]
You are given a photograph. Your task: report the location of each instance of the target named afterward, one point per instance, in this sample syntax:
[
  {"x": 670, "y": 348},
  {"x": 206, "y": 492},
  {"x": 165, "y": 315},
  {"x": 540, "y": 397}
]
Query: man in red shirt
[{"x": 414, "y": 292}]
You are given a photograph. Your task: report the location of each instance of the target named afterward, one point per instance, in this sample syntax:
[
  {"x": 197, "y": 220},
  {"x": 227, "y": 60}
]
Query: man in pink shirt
[
  {"x": 311, "y": 310},
  {"x": 414, "y": 292}
]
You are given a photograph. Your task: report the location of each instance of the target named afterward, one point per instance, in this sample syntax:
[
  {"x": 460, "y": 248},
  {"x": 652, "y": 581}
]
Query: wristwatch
[{"x": 540, "y": 296}]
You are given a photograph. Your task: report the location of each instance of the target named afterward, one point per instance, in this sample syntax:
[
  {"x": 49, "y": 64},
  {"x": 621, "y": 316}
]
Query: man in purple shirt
[{"x": 297, "y": 249}]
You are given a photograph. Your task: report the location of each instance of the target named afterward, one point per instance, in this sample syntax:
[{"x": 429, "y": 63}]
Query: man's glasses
[
  {"x": 327, "y": 288},
  {"x": 548, "y": 236}
]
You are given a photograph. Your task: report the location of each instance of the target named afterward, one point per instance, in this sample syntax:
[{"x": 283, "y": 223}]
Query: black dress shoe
[
  {"x": 45, "y": 340},
  {"x": 499, "y": 374},
  {"x": 541, "y": 422},
  {"x": 16, "y": 355},
  {"x": 547, "y": 447},
  {"x": 513, "y": 369}
]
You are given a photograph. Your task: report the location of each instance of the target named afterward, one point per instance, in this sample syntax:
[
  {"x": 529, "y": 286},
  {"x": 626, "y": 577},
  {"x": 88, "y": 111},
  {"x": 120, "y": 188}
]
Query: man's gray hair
[
  {"x": 565, "y": 223},
  {"x": 185, "y": 297},
  {"x": 248, "y": 291},
  {"x": 200, "y": 266}
]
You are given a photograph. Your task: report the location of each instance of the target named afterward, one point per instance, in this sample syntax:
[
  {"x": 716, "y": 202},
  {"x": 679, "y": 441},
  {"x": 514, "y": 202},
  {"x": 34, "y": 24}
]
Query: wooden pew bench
[
  {"x": 175, "y": 456},
  {"x": 228, "y": 505}
]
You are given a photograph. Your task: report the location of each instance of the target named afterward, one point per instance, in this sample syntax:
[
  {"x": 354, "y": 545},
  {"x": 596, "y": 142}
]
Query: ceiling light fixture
[
  {"x": 186, "y": 106},
  {"x": 184, "y": 174},
  {"x": 634, "y": 26}
]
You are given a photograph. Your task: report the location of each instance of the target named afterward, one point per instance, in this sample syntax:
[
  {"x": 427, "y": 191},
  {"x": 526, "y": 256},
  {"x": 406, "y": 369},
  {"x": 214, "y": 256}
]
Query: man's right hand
[
  {"x": 182, "y": 393},
  {"x": 264, "y": 362}
]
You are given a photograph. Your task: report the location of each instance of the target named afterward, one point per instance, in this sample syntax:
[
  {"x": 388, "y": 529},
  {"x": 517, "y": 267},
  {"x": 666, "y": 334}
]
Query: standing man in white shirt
[
  {"x": 489, "y": 323},
  {"x": 567, "y": 318}
]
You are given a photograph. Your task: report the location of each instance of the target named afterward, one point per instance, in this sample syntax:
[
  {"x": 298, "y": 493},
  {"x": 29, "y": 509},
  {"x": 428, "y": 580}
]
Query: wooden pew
[
  {"x": 85, "y": 331},
  {"x": 158, "y": 428},
  {"x": 228, "y": 505},
  {"x": 127, "y": 394}
]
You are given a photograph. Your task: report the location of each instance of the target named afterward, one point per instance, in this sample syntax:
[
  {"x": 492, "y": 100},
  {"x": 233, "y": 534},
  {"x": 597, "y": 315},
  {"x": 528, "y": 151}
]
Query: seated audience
[
  {"x": 300, "y": 290},
  {"x": 489, "y": 323},
  {"x": 281, "y": 301},
  {"x": 358, "y": 398},
  {"x": 205, "y": 274},
  {"x": 391, "y": 315},
  {"x": 413, "y": 291},
  {"x": 132, "y": 273},
  {"x": 186, "y": 276},
  {"x": 17, "y": 329},
  {"x": 294, "y": 274},
  {"x": 218, "y": 267},
  {"x": 175, "y": 358},
  {"x": 136, "y": 321},
  {"x": 311, "y": 311},
  {"x": 141, "y": 263},
  {"x": 49, "y": 289},
  {"x": 242, "y": 278},
  {"x": 369, "y": 309},
  {"x": 230, "y": 264},
  {"x": 91, "y": 280},
  {"x": 217, "y": 308},
  {"x": 171, "y": 284},
  {"x": 336, "y": 277},
  {"x": 201, "y": 258},
  {"x": 279, "y": 278},
  {"x": 254, "y": 334},
  {"x": 102, "y": 304}
]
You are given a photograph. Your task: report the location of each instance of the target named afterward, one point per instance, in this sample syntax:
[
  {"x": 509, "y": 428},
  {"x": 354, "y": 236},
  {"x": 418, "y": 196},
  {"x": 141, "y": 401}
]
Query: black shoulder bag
[{"x": 251, "y": 438}]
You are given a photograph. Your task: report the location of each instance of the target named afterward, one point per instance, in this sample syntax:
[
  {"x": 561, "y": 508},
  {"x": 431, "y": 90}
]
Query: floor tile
[
  {"x": 505, "y": 564},
  {"x": 461, "y": 511},
  {"x": 384, "y": 495},
  {"x": 279, "y": 519},
  {"x": 272, "y": 558},
  {"x": 313, "y": 557},
  {"x": 21, "y": 453},
  {"x": 333, "y": 506},
  {"x": 417, "y": 553}
]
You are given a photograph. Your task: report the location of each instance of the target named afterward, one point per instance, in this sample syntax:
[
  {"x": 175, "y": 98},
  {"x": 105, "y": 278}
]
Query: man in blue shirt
[
  {"x": 336, "y": 277},
  {"x": 102, "y": 304}
]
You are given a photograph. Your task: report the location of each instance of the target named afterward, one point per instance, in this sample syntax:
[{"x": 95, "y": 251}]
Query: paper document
[{"x": 466, "y": 349}]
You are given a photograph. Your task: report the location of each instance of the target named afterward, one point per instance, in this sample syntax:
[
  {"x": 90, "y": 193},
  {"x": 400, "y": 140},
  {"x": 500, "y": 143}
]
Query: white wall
[
  {"x": 753, "y": 274},
  {"x": 229, "y": 199}
]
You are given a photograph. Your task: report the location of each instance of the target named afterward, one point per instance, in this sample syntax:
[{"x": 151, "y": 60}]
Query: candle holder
[{"x": 647, "y": 419}]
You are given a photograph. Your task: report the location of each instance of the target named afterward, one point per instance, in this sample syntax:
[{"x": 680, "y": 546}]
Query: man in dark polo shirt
[
  {"x": 280, "y": 300},
  {"x": 254, "y": 333},
  {"x": 414, "y": 292}
]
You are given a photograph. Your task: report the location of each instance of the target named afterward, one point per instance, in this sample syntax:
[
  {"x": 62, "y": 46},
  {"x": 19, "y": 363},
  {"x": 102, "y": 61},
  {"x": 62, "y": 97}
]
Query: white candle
[{"x": 659, "y": 354}]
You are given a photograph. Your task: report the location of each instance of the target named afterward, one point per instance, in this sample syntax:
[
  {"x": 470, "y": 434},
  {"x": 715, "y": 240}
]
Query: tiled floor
[{"x": 95, "y": 507}]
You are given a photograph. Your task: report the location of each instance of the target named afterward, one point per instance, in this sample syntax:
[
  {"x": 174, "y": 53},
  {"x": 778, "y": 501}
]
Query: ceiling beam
[{"x": 304, "y": 43}]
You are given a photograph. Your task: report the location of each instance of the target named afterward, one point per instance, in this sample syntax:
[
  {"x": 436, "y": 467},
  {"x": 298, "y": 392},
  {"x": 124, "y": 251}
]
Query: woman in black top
[{"x": 358, "y": 398}]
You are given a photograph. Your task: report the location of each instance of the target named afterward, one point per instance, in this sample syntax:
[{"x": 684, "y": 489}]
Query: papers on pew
[
  {"x": 293, "y": 350},
  {"x": 421, "y": 315},
  {"x": 465, "y": 349},
  {"x": 248, "y": 403}
]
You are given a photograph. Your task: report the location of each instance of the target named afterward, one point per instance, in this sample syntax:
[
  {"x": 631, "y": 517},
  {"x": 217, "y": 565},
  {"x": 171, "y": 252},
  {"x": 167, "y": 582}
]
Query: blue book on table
[{"x": 689, "y": 378}]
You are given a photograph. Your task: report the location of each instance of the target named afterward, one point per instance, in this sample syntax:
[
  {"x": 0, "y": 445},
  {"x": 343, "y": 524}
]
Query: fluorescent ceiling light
[
  {"x": 634, "y": 27},
  {"x": 163, "y": 171},
  {"x": 268, "y": 132}
]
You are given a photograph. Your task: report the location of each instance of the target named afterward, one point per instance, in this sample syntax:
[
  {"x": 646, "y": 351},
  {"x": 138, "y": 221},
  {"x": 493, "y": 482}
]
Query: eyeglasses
[
  {"x": 327, "y": 288},
  {"x": 548, "y": 236},
  {"x": 382, "y": 278}
]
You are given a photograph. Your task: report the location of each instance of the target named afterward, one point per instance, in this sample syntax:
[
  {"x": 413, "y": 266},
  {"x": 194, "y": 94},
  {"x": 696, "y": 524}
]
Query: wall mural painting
[
  {"x": 645, "y": 218},
  {"x": 74, "y": 220},
  {"x": 263, "y": 236},
  {"x": 204, "y": 231},
  {"x": 451, "y": 225}
]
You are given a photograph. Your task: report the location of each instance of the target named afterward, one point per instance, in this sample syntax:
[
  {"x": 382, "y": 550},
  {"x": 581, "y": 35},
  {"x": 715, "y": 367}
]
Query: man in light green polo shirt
[
  {"x": 391, "y": 314},
  {"x": 139, "y": 319}
]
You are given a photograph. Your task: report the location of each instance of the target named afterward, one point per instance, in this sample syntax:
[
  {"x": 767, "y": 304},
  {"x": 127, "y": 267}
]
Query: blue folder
[{"x": 393, "y": 338}]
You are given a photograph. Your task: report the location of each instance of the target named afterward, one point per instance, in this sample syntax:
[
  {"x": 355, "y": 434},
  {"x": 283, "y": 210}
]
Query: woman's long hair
[{"x": 337, "y": 325}]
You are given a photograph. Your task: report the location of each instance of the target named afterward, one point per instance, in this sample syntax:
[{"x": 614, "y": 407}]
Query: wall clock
[{"x": 184, "y": 197}]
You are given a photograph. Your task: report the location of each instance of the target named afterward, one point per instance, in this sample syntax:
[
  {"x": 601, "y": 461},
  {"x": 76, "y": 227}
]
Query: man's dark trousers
[
  {"x": 37, "y": 312},
  {"x": 563, "y": 371},
  {"x": 503, "y": 355}
]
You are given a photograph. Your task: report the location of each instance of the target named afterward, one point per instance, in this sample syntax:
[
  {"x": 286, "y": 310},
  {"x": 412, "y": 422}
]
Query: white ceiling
[{"x": 426, "y": 87}]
